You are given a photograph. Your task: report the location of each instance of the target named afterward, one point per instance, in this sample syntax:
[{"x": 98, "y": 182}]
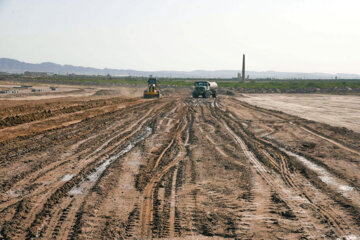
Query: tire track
[
  {"x": 205, "y": 173},
  {"x": 101, "y": 227},
  {"x": 137, "y": 126},
  {"x": 60, "y": 189},
  {"x": 292, "y": 119},
  {"x": 343, "y": 208},
  {"x": 147, "y": 199},
  {"x": 307, "y": 129},
  {"x": 316, "y": 208}
]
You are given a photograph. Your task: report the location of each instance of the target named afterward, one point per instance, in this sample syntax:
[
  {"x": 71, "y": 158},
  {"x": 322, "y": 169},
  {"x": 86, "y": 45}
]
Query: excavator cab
[{"x": 153, "y": 89}]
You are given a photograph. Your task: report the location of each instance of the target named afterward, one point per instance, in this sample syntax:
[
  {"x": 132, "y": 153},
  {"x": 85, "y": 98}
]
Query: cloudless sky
[{"x": 280, "y": 35}]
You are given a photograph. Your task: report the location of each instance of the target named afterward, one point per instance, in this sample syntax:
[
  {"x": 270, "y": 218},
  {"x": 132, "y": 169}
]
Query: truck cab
[{"x": 205, "y": 89}]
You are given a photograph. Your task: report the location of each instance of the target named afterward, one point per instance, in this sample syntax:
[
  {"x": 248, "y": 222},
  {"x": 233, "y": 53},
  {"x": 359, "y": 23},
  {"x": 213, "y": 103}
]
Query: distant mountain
[{"x": 14, "y": 66}]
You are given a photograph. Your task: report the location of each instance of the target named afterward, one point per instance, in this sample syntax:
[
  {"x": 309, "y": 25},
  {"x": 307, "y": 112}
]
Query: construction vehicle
[
  {"x": 205, "y": 89},
  {"x": 153, "y": 89}
]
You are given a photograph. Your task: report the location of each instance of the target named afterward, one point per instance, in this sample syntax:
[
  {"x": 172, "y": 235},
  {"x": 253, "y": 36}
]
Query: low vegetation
[{"x": 181, "y": 82}]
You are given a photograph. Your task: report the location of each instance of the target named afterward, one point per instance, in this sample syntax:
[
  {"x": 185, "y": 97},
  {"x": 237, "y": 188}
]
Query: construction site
[{"x": 91, "y": 162}]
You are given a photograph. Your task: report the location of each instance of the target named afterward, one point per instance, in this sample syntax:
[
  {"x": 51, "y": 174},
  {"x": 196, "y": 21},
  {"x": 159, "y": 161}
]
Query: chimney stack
[{"x": 243, "y": 69}]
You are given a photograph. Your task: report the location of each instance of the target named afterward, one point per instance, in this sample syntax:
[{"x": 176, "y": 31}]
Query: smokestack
[{"x": 243, "y": 69}]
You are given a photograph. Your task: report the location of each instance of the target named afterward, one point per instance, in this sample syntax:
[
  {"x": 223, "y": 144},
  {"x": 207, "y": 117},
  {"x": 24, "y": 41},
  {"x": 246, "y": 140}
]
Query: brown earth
[
  {"x": 336, "y": 110},
  {"x": 113, "y": 167}
]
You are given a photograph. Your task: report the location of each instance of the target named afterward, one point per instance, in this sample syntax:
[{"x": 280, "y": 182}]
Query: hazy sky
[{"x": 280, "y": 35}]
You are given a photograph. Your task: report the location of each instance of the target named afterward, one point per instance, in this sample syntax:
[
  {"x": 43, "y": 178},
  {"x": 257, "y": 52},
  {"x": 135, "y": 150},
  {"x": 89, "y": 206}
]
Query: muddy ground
[{"x": 111, "y": 166}]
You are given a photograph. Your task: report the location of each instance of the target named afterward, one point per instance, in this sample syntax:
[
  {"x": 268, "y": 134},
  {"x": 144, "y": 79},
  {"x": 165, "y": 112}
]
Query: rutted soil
[{"x": 176, "y": 167}]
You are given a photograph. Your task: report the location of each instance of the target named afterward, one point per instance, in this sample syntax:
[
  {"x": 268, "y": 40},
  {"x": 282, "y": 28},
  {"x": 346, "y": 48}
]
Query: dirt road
[{"x": 129, "y": 168}]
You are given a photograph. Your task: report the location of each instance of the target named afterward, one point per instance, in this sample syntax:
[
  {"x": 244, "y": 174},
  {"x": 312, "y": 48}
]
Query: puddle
[
  {"x": 135, "y": 163},
  {"x": 67, "y": 177},
  {"x": 128, "y": 186},
  {"x": 14, "y": 193},
  {"x": 169, "y": 122},
  {"x": 337, "y": 184},
  {"x": 266, "y": 134},
  {"x": 291, "y": 196},
  {"x": 258, "y": 130},
  {"x": 230, "y": 115},
  {"x": 77, "y": 190},
  {"x": 271, "y": 137},
  {"x": 173, "y": 110},
  {"x": 94, "y": 176},
  {"x": 349, "y": 237}
]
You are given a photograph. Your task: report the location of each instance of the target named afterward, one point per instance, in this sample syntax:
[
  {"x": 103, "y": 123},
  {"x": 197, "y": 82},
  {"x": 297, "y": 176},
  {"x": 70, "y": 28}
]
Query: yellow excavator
[{"x": 153, "y": 89}]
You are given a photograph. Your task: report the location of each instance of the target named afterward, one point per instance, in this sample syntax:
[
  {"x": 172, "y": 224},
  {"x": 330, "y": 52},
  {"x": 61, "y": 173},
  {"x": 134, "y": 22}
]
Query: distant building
[
  {"x": 9, "y": 91},
  {"x": 36, "y": 90},
  {"x": 23, "y": 86},
  {"x": 72, "y": 75},
  {"x": 35, "y": 74}
]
